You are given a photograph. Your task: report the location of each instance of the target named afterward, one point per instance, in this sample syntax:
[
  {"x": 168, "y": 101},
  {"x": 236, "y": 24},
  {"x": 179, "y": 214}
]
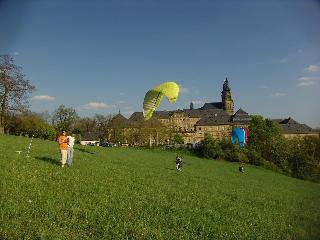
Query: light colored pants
[
  {"x": 63, "y": 156},
  {"x": 178, "y": 167},
  {"x": 70, "y": 156}
]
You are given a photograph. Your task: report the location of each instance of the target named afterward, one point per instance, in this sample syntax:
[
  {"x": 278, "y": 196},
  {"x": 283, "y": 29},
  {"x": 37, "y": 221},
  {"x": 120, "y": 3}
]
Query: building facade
[{"x": 214, "y": 118}]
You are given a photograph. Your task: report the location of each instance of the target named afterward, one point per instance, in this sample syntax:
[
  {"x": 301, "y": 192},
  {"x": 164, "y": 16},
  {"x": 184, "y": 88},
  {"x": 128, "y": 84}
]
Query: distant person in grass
[
  {"x": 179, "y": 162},
  {"x": 63, "y": 146},
  {"x": 70, "y": 139}
]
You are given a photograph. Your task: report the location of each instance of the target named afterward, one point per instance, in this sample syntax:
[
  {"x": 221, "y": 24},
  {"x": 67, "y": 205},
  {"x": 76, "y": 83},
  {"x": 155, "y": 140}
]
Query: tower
[
  {"x": 191, "y": 105},
  {"x": 227, "y": 101}
]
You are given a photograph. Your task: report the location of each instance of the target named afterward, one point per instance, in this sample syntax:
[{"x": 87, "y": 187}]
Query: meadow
[{"x": 129, "y": 193}]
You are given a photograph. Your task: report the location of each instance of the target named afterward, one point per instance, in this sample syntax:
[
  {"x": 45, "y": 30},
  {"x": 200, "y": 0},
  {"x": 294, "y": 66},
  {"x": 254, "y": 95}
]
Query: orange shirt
[{"x": 62, "y": 144}]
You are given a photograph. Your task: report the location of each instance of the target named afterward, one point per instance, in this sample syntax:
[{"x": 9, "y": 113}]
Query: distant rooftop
[{"x": 290, "y": 126}]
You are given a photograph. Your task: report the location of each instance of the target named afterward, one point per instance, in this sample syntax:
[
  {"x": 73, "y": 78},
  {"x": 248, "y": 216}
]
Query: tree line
[{"x": 267, "y": 147}]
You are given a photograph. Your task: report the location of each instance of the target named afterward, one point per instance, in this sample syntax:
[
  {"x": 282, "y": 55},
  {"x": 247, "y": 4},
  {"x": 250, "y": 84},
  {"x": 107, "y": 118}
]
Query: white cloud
[
  {"x": 306, "y": 84},
  {"x": 307, "y": 81},
  {"x": 121, "y": 101},
  {"x": 43, "y": 98},
  {"x": 95, "y": 105},
  {"x": 278, "y": 94},
  {"x": 312, "y": 68}
]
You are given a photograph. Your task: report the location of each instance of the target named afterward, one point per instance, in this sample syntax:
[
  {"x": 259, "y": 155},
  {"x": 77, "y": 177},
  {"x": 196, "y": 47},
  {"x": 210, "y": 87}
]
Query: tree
[
  {"x": 151, "y": 132},
  {"x": 93, "y": 128},
  {"x": 266, "y": 139},
  {"x": 29, "y": 123},
  {"x": 305, "y": 158},
  {"x": 101, "y": 125},
  {"x": 64, "y": 118},
  {"x": 209, "y": 148},
  {"x": 14, "y": 89},
  {"x": 177, "y": 139}
]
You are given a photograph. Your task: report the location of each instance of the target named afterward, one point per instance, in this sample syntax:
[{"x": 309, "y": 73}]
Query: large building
[{"x": 215, "y": 118}]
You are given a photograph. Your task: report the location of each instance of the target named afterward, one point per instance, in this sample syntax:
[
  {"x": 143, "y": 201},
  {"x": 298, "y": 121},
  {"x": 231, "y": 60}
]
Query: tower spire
[
  {"x": 191, "y": 105},
  {"x": 226, "y": 85},
  {"x": 227, "y": 101}
]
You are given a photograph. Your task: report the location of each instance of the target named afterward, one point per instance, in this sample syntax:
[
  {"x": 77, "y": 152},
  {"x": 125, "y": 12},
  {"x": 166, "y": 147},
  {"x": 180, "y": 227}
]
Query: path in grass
[{"x": 119, "y": 193}]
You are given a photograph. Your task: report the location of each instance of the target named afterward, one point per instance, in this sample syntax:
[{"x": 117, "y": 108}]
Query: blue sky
[{"x": 102, "y": 56}]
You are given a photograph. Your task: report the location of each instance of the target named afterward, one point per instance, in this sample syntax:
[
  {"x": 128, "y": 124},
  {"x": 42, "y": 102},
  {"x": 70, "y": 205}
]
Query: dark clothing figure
[
  {"x": 241, "y": 169},
  {"x": 179, "y": 163}
]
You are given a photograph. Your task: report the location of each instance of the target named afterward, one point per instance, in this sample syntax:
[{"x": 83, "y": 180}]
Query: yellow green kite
[{"x": 154, "y": 96}]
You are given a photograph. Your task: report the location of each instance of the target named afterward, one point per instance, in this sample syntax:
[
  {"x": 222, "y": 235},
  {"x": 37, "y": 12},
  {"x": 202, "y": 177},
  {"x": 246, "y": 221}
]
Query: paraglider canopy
[
  {"x": 240, "y": 135},
  {"x": 154, "y": 96}
]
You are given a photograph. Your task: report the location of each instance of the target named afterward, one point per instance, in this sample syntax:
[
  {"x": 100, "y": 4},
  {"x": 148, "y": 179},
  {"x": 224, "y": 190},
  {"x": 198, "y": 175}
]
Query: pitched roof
[
  {"x": 296, "y": 128},
  {"x": 119, "y": 117},
  {"x": 194, "y": 113},
  {"x": 241, "y": 116},
  {"x": 289, "y": 121},
  {"x": 213, "y": 117},
  {"x": 162, "y": 114},
  {"x": 240, "y": 112},
  {"x": 136, "y": 116},
  {"x": 291, "y": 126},
  {"x": 213, "y": 105}
]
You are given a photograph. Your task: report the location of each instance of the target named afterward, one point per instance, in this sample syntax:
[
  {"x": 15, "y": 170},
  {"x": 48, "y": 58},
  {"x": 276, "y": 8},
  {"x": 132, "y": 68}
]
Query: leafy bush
[
  {"x": 31, "y": 124},
  {"x": 267, "y": 141},
  {"x": 304, "y": 159},
  {"x": 209, "y": 148},
  {"x": 177, "y": 139}
]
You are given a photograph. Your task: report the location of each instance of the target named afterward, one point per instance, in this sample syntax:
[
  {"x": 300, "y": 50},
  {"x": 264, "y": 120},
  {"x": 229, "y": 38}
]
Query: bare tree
[
  {"x": 93, "y": 127},
  {"x": 14, "y": 89},
  {"x": 64, "y": 118},
  {"x": 102, "y": 125}
]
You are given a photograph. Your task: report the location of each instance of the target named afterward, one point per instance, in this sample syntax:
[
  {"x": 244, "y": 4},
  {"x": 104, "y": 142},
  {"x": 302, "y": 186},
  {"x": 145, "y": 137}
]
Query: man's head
[{"x": 63, "y": 133}]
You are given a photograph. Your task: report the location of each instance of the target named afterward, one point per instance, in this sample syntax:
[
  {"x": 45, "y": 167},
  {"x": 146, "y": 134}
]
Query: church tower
[
  {"x": 227, "y": 101},
  {"x": 191, "y": 105}
]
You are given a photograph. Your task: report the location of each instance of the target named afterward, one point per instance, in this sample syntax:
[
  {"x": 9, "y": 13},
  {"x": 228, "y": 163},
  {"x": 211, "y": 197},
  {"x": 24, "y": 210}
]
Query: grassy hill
[{"x": 125, "y": 193}]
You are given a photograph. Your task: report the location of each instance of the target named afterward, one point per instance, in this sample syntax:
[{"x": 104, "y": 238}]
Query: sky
[{"x": 102, "y": 56}]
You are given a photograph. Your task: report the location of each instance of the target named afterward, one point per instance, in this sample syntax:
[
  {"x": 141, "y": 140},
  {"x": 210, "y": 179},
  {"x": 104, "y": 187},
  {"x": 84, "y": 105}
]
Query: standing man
[
  {"x": 63, "y": 146},
  {"x": 70, "y": 139}
]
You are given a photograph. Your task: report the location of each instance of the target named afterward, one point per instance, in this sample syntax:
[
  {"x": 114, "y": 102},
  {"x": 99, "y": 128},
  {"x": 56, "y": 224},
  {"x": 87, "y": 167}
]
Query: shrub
[
  {"x": 177, "y": 139},
  {"x": 255, "y": 158},
  {"x": 303, "y": 159},
  {"x": 209, "y": 148}
]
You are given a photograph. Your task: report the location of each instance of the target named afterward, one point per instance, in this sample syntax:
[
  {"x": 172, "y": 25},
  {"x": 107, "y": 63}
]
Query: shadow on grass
[
  {"x": 83, "y": 150},
  {"x": 49, "y": 160},
  {"x": 171, "y": 169}
]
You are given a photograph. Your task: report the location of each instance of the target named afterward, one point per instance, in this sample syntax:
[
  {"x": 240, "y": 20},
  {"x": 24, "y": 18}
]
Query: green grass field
[{"x": 125, "y": 193}]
